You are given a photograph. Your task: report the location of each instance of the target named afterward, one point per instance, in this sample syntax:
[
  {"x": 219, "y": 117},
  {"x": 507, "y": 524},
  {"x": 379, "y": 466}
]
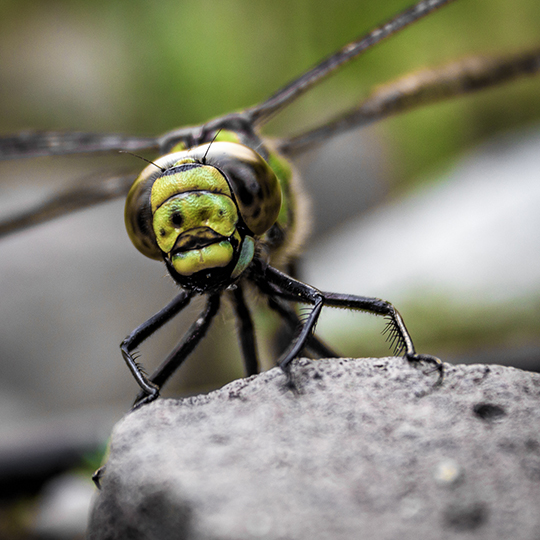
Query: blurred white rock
[
  {"x": 475, "y": 231},
  {"x": 471, "y": 237}
]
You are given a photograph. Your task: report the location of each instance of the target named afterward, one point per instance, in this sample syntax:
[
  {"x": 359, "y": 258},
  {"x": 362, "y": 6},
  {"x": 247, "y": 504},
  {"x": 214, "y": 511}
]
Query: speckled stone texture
[{"x": 363, "y": 448}]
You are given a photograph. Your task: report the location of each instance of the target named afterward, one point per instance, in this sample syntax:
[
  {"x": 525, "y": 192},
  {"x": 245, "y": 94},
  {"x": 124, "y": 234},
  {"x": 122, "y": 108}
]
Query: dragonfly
[{"x": 250, "y": 252}]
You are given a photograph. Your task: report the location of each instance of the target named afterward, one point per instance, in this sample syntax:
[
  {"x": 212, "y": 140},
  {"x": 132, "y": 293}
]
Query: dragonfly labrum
[{"x": 222, "y": 208}]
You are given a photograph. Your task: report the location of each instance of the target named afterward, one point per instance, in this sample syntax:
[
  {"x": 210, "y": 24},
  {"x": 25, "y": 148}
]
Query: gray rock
[{"x": 365, "y": 448}]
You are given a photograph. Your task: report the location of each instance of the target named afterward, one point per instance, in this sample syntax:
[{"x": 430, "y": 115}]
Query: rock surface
[{"x": 363, "y": 448}]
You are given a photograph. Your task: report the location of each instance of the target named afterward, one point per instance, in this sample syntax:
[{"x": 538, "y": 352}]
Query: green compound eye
[{"x": 254, "y": 184}]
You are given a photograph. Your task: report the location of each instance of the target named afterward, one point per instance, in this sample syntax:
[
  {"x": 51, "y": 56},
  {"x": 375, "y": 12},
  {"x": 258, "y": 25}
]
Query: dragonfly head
[{"x": 201, "y": 211}]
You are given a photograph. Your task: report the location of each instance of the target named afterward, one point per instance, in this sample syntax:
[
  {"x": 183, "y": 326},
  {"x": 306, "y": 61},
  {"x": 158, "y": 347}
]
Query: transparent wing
[
  {"x": 260, "y": 114},
  {"x": 78, "y": 196},
  {"x": 421, "y": 88},
  {"x": 56, "y": 143}
]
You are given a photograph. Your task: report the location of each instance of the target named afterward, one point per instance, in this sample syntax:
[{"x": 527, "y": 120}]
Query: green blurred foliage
[{"x": 146, "y": 67}]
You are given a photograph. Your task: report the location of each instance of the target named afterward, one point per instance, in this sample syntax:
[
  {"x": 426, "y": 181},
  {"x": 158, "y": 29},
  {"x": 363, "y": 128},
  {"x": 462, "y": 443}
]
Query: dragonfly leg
[
  {"x": 144, "y": 331},
  {"x": 246, "y": 332},
  {"x": 276, "y": 283},
  {"x": 396, "y": 331},
  {"x": 175, "y": 359},
  {"x": 300, "y": 292},
  {"x": 314, "y": 345}
]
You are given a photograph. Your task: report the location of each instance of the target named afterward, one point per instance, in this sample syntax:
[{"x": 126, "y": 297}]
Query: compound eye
[
  {"x": 138, "y": 217},
  {"x": 253, "y": 182}
]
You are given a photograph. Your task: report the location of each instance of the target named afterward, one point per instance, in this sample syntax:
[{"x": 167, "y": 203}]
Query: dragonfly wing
[
  {"x": 76, "y": 197},
  {"x": 261, "y": 113},
  {"x": 28, "y": 144},
  {"x": 421, "y": 88}
]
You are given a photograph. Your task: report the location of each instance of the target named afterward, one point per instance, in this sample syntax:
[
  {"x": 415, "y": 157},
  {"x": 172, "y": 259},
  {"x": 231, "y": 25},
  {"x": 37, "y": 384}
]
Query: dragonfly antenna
[
  {"x": 144, "y": 159},
  {"x": 211, "y": 143}
]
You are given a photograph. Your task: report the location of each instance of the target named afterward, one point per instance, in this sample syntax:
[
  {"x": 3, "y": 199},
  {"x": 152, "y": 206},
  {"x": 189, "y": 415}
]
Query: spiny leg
[
  {"x": 314, "y": 345},
  {"x": 144, "y": 331},
  {"x": 300, "y": 292},
  {"x": 293, "y": 290},
  {"x": 246, "y": 332},
  {"x": 397, "y": 333},
  {"x": 175, "y": 359}
]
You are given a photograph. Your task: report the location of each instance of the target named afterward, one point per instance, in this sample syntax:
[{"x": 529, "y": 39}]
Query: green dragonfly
[{"x": 239, "y": 229}]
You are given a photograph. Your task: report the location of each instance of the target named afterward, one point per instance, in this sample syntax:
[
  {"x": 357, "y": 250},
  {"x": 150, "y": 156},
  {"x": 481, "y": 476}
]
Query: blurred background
[{"x": 435, "y": 210}]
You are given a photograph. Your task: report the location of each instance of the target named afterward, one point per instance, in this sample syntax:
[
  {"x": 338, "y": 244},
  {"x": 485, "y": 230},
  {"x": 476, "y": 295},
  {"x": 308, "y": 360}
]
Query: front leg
[
  {"x": 150, "y": 390},
  {"x": 175, "y": 359},
  {"x": 284, "y": 285}
]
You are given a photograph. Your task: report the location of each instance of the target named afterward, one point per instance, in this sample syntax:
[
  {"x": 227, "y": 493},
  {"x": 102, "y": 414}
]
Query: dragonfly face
[
  {"x": 202, "y": 211},
  {"x": 173, "y": 215}
]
